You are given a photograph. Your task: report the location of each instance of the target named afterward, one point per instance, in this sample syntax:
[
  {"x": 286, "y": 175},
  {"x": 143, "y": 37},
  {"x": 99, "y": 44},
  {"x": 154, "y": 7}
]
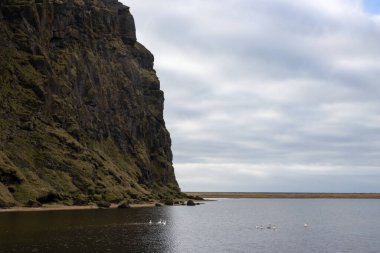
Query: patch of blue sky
[{"x": 372, "y": 6}]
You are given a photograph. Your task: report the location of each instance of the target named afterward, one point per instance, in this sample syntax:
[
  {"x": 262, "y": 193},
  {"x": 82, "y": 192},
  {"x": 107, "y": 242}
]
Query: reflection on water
[
  {"x": 86, "y": 231},
  {"x": 222, "y": 226}
]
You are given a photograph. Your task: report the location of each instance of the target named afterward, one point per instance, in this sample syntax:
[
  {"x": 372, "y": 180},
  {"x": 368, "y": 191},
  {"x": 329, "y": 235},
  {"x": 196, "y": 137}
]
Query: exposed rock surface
[
  {"x": 81, "y": 110},
  {"x": 190, "y": 203},
  {"x": 169, "y": 202},
  {"x": 103, "y": 204},
  {"x": 123, "y": 205}
]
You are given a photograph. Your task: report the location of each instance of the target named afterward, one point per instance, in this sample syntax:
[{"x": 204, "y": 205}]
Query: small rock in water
[{"x": 190, "y": 202}]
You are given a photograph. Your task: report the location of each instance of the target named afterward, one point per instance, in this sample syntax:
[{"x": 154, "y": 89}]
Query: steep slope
[{"x": 81, "y": 110}]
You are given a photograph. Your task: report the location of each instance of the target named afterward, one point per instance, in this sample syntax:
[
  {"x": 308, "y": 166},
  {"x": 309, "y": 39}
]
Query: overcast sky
[{"x": 280, "y": 95}]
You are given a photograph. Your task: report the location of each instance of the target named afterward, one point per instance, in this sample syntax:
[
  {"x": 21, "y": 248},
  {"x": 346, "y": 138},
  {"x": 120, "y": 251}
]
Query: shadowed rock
[
  {"x": 169, "y": 202},
  {"x": 33, "y": 203},
  {"x": 190, "y": 202},
  {"x": 123, "y": 205},
  {"x": 103, "y": 204}
]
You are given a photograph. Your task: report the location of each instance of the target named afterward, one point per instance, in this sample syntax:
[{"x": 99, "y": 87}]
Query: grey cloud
[{"x": 268, "y": 82}]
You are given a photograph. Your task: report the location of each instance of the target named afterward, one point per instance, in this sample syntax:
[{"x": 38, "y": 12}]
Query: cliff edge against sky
[{"x": 81, "y": 110}]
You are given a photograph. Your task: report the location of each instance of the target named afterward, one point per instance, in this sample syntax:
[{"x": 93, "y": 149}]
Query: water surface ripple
[{"x": 226, "y": 225}]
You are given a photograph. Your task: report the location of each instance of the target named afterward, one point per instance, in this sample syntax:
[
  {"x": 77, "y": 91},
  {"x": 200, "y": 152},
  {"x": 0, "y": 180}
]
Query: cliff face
[{"x": 81, "y": 110}]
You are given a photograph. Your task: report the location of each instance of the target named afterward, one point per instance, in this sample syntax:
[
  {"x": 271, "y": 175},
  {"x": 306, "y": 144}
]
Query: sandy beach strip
[{"x": 282, "y": 195}]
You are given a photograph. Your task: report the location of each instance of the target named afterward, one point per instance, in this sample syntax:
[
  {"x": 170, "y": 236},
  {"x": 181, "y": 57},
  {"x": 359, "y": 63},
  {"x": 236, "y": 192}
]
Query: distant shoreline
[{"x": 285, "y": 195}]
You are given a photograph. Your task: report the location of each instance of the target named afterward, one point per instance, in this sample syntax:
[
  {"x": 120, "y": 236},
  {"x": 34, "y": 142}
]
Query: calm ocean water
[{"x": 226, "y": 225}]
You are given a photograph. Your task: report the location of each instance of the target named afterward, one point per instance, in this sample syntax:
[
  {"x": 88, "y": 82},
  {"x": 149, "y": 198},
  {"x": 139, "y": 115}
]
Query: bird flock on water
[
  {"x": 160, "y": 222},
  {"x": 260, "y": 227},
  {"x": 274, "y": 227},
  {"x": 269, "y": 226}
]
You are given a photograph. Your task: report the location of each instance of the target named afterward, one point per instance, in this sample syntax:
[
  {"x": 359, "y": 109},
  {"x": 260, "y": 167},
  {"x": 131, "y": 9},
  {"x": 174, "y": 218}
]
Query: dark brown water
[{"x": 226, "y": 225}]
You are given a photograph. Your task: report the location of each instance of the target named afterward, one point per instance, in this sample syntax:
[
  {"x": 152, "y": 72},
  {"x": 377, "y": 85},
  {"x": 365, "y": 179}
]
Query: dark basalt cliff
[{"x": 81, "y": 110}]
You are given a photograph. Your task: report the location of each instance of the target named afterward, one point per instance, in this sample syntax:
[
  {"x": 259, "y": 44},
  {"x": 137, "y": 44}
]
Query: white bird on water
[
  {"x": 150, "y": 221},
  {"x": 305, "y": 225},
  {"x": 160, "y": 222}
]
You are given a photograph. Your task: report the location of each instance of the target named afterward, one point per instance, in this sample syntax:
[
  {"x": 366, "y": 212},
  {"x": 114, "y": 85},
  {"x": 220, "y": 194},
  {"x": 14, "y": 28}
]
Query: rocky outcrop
[{"x": 81, "y": 110}]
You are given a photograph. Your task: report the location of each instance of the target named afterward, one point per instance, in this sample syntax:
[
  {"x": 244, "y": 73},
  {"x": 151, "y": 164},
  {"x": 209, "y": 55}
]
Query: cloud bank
[{"x": 268, "y": 95}]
